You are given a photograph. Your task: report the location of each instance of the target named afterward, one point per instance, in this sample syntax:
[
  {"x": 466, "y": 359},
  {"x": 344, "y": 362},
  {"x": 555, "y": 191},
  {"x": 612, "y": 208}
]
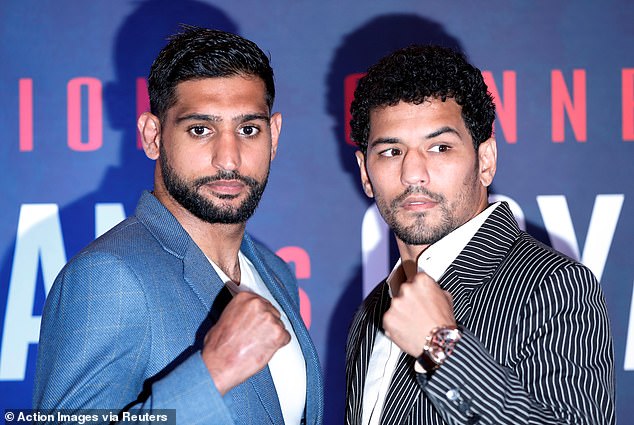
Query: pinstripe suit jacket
[
  {"x": 536, "y": 345},
  {"x": 125, "y": 320}
]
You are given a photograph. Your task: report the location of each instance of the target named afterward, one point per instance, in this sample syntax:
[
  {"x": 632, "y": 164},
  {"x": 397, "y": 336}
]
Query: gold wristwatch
[{"x": 439, "y": 345}]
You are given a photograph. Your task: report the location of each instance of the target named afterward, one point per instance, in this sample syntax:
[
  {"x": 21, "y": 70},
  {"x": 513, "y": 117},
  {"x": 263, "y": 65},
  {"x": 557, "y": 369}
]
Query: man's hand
[
  {"x": 419, "y": 307},
  {"x": 243, "y": 340}
]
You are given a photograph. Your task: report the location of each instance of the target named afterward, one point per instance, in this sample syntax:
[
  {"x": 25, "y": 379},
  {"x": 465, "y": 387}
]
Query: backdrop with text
[{"x": 73, "y": 83}]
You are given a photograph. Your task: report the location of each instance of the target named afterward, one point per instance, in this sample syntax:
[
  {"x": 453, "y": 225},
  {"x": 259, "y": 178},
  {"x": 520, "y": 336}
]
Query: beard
[
  {"x": 187, "y": 195},
  {"x": 421, "y": 231}
]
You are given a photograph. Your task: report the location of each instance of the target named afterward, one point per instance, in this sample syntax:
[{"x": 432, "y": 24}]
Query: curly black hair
[{"x": 418, "y": 73}]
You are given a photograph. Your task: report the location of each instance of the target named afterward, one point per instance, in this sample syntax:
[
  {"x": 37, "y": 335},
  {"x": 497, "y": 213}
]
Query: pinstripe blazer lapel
[
  {"x": 362, "y": 335},
  {"x": 478, "y": 261}
]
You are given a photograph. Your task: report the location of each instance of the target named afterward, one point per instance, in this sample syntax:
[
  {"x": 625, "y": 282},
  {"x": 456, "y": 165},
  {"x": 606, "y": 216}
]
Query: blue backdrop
[{"x": 72, "y": 84}]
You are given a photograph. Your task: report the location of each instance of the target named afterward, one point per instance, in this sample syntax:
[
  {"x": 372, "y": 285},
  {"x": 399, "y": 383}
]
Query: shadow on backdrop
[
  {"x": 362, "y": 48},
  {"x": 139, "y": 39},
  {"x": 358, "y": 50}
]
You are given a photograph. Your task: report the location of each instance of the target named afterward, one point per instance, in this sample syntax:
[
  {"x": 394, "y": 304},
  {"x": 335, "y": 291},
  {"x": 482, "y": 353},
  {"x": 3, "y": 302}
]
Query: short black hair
[
  {"x": 418, "y": 73},
  {"x": 197, "y": 53}
]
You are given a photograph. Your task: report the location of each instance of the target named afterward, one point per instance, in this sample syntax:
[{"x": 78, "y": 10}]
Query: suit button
[
  {"x": 473, "y": 420},
  {"x": 453, "y": 394}
]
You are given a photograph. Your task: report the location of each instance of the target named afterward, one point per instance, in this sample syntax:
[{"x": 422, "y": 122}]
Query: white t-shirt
[{"x": 287, "y": 366}]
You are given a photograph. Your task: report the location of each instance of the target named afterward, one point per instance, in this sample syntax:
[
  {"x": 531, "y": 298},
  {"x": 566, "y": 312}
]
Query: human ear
[
  {"x": 276, "y": 129},
  {"x": 487, "y": 156},
  {"x": 150, "y": 129},
  {"x": 365, "y": 180}
]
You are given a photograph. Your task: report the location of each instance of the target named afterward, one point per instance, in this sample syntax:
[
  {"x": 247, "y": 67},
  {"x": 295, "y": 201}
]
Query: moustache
[
  {"x": 436, "y": 197},
  {"x": 226, "y": 175}
]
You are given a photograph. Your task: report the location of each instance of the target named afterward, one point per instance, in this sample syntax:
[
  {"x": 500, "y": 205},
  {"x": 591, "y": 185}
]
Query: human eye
[
  {"x": 199, "y": 131},
  {"x": 390, "y": 152},
  {"x": 440, "y": 148},
  {"x": 249, "y": 130}
]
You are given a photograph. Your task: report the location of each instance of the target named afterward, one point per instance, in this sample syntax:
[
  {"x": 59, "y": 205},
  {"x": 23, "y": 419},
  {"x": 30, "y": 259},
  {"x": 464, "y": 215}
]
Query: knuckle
[
  {"x": 422, "y": 279},
  {"x": 281, "y": 336},
  {"x": 269, "y": 320},
  {"x": 255, "y": 302}
]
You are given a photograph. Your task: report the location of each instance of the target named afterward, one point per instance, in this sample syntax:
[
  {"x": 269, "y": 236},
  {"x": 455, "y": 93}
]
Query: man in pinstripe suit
[{"x": 478, "y": 322}]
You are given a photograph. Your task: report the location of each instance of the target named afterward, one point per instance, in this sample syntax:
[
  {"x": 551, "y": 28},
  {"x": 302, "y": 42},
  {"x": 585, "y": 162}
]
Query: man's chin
[
  {"x": 414, "y": 220},
  {"x": 225, "y": 216},
  {"x": 222, "y": 203},
  {"x": 418, "y": 232}
]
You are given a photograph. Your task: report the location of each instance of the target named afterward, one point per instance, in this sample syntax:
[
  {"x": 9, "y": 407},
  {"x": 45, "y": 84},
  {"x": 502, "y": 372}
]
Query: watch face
[{"x": 442, "y": 343}]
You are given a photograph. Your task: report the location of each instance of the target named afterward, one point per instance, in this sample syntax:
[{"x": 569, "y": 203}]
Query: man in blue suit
[{"x": 177, "y": 307}]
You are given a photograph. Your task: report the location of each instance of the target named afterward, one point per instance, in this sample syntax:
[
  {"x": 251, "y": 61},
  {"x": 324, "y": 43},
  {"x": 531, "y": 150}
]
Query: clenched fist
[
  {"x": 244, "y": 339},
  {"x": 419, "y": 307}
]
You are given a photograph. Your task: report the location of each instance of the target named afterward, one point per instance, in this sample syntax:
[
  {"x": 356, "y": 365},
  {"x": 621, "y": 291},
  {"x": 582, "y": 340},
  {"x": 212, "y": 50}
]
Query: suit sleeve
[
  {"x": 95, "y": 342},
  {"x": 559, "y": 367}
]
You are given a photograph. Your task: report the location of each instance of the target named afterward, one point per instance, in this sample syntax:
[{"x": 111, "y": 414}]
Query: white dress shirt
[
  {"x": 287, "y": 366},
  {"x": 434, "y": 261}
]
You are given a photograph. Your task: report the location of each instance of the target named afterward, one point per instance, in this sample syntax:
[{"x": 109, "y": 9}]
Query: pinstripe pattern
[{"x": 536, "y": 348}]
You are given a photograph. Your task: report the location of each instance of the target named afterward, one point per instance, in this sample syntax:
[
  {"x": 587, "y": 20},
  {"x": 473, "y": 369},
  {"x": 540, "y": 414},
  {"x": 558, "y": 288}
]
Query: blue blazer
[{"x": 124, "y": 323}]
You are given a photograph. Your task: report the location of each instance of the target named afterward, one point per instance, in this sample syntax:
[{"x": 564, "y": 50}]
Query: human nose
[
  {"x": 226, "y": 153},
  {"x": 414, "y": 169}
]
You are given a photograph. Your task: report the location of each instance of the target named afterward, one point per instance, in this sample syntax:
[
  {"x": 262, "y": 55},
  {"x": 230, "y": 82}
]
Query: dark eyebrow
[
  {"x": 383, "y": 141},
  {"x": 440, "y": 131},
  {"x": 394, "y": 140},
  {"x": 198, "y": 117},
  {"x": 252, "y": 117},
  {"x": 215, "y": 118}
]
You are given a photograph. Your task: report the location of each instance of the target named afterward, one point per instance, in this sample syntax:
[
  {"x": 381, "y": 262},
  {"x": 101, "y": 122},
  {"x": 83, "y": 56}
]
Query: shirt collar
[{"x": 437, "y": 257}]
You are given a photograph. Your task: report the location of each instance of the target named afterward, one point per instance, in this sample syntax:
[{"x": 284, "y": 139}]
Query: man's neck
[{"x": 221, "y": 244}]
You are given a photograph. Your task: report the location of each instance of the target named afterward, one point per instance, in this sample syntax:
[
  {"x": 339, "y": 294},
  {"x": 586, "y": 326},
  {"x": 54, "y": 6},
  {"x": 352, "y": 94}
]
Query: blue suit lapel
[
  {"x": 205, "y": 282},
  {"x": 200, "y": 276},
  {"x": 197, "y": 271},
  {"x": 314, "y": 399}
]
